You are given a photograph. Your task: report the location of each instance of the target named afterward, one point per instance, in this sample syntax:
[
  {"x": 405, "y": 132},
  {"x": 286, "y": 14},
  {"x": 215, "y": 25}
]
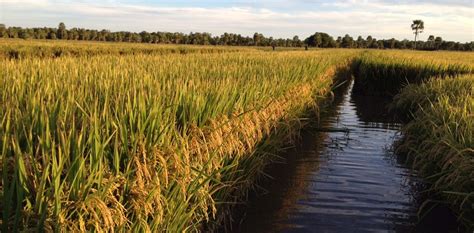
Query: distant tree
[
  {"x": 448, "y": 45},
  {"x": 380, "y": 44},
  {"x": 206, "y": 38},
  {"x": 327, "y": 40},
  {"x": 391, "y": 43},
  {"x": 146, "y": 37},
  {"x": 24, "y": 34},
  {"x": 318, "y": 39},
  {"x": 312, "y": 41},
  {"x": 438, "y": 41},
  {"x": 338, "y": 42},
  {"x": 3, "y": 30},
  {"x": 375, "y": 44},
  {"x": 430, "y": 42},
  {"x": 417, "y": 26},
  {"x": 360, "y": 42},
  {"x": 12, "y": 32},
  {"x": 162, "y": 37},
  {"x": 73, "y": 34},
  {"x": 52, "y": 35},
  {"x": 469, "y": 46},
  {"x": 321, "y": 40},
  {"x": 368, "y": 42},
  {"x": 178, "y": 37},
  {"x": 93, "y": 35},
  {"x": 332, "y": 43},
  {"x": 297, "y": 42},
  {"x": 270, "y": 41},
  {"x": 62, "y": 33},
  {"x": 38, "y": 33},
  {"x": 347, "y": 41},
  {"x": 257, "y": 39},
  {"x": 135, "y": 37},
  {"x": 83, "y": 34},
  {"x": 399, "y": 44},
  {"x": 431, "y": 38}
]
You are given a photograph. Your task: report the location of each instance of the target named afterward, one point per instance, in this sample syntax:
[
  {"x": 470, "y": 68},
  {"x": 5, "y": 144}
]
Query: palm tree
[{"x": 418, "y": 26}]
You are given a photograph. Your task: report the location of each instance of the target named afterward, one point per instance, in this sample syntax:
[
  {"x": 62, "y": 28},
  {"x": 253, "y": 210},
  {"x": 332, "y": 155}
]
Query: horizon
[{"x": 451, "y": 20}]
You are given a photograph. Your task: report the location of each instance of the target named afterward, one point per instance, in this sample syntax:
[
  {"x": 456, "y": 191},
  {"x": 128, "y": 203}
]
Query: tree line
[{"x": 318, "y": 39}]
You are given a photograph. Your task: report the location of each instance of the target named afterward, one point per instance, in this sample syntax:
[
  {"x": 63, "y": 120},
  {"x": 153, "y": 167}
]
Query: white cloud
[{"x": 380, "y": 19}]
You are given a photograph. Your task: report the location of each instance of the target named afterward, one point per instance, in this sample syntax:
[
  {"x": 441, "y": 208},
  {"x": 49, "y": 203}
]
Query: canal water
[{"x": 342, "y": 177}]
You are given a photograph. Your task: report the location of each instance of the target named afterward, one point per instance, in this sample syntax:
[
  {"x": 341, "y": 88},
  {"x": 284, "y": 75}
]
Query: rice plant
[
  {"x": 18, "y": 49},
  {"x": 386, "y": 72},
  {"x": 134, "y": 137},
  {"x": 439, "y": 141},
  {"x": 434, "y": 92},
  {"x": 144, "y": 142}
]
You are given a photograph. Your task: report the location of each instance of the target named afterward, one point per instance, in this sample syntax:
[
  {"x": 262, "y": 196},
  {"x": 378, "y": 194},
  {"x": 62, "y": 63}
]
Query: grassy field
[
  {"x": 134, "y": 137},
  {"x": 144, "y": 141}
]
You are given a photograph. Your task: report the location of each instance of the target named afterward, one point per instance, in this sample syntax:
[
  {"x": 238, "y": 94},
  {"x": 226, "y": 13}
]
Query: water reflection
[{"x": 342, "y": 178}]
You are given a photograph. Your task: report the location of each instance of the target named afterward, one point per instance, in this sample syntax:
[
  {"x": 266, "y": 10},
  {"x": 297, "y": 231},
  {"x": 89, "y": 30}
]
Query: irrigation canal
[{"x": 343, "y": 177}]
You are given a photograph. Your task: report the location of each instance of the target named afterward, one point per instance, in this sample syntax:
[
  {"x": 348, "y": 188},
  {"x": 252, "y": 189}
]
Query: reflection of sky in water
[{"x": 342, "y": 180}]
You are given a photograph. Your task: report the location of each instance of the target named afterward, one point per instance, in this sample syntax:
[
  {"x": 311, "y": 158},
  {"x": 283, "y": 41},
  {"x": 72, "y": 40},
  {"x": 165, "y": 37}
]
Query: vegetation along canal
[{"x": 344, "y": 177}]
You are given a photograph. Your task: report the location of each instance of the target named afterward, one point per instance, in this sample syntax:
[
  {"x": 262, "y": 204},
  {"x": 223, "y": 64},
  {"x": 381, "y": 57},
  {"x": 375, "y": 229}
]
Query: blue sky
[{"x": 452, "y": 20}]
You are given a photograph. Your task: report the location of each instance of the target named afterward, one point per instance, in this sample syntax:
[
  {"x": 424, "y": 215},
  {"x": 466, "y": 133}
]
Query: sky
[{"x": 382, "y": 19}]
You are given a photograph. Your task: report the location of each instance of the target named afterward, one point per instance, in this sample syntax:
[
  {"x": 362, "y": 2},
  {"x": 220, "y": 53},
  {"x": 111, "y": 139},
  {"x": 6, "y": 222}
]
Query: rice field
[
  {"x": 17, "y": 49},
  {"x": 434, "y": 92},
  {"x": 386, "y": 72},
  {"x": 439, "y": 140},
  {"x": 133, "y": 137},
  {"x": 144, "y": 142}
]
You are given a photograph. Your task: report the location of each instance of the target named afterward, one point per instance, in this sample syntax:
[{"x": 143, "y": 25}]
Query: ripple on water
[{"x": 340, "y": 181}]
